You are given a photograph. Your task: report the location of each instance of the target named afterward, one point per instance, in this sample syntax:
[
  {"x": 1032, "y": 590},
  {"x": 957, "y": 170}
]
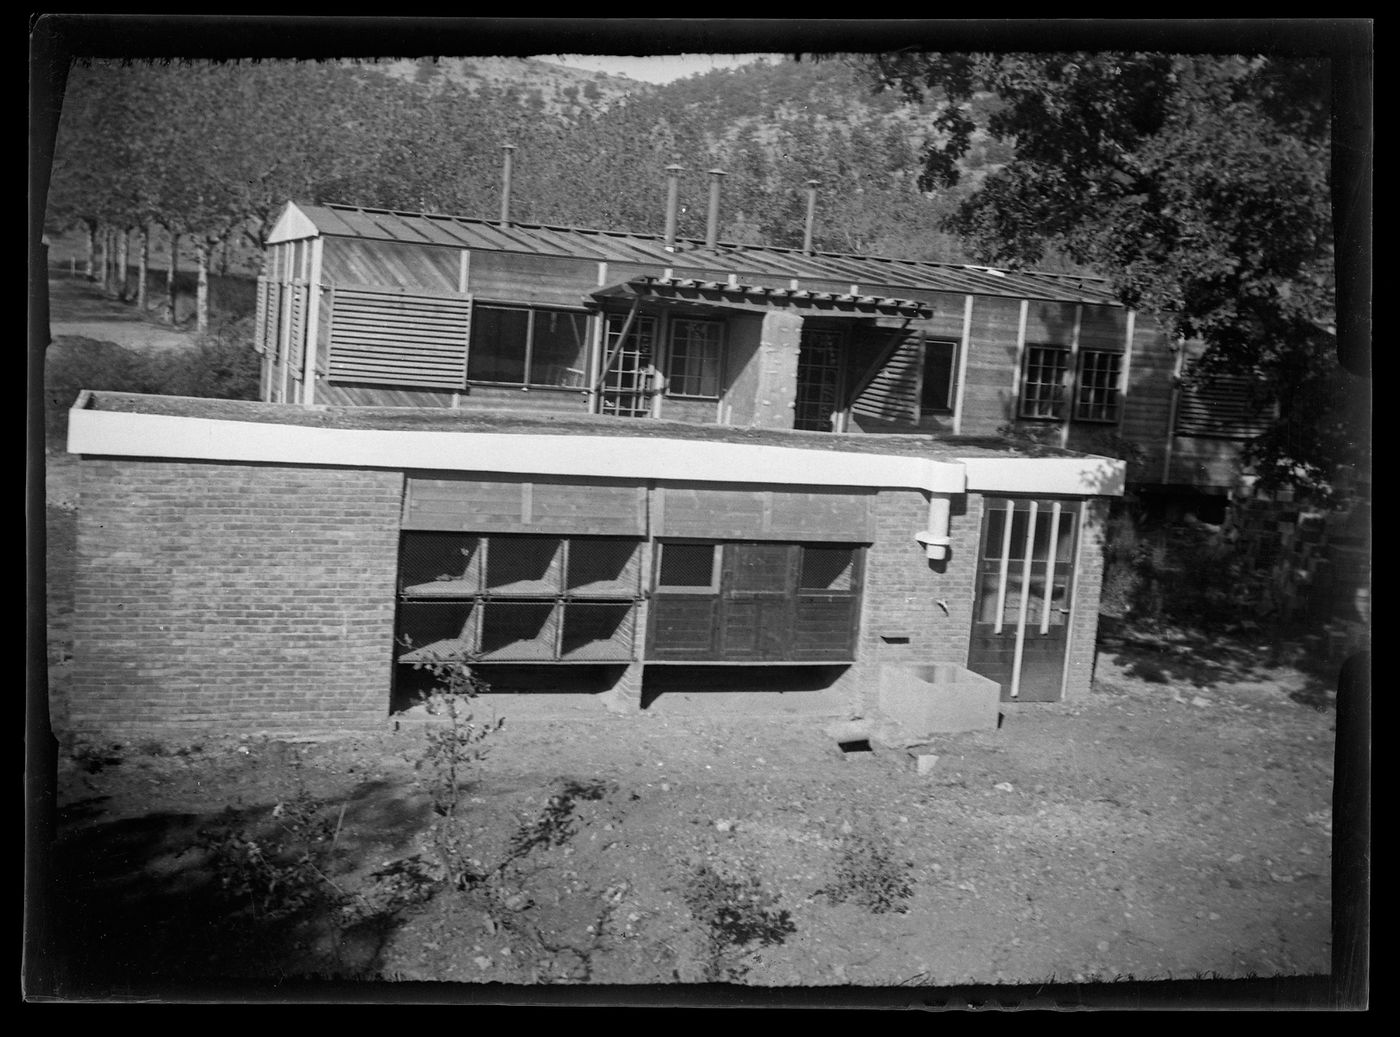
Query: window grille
[
  {"x": 523, "y": 565},
  {"x": 688, "y": 567},
  {"x": 827, "y": 568},
  {"x": 626, "y": 382},
  {"x": 818, "y": 380},
  {"x": 1097, "y": 394},
  {"x": 1043, "y": 387},
  {"x": 517, "y": 598}
]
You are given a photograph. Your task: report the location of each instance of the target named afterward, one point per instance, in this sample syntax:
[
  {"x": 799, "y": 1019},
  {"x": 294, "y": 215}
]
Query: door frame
[{"x": 1004, "y": 565}]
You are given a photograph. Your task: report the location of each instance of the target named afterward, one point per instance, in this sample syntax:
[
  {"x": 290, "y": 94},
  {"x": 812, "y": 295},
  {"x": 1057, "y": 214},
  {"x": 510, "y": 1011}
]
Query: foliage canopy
[{"x": 1199, "y": 185}]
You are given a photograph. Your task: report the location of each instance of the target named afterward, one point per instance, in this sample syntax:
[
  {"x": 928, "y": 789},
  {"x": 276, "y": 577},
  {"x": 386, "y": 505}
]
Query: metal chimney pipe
[
  {"x": 673, "y": 174},
  {"x": 811, "y": 215},
  {"x": 508, "y": 150},
  {"x": 712, "y": 220}
]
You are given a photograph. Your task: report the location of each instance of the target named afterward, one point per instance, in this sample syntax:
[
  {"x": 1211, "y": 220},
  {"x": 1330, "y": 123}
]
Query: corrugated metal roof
[{"x": 691, "y": 253}]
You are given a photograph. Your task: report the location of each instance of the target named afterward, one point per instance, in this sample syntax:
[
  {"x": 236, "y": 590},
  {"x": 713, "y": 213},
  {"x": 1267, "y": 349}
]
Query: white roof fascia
[
  {"x": 1061, "y": 476},
  {"x": 127, "y": 434}
]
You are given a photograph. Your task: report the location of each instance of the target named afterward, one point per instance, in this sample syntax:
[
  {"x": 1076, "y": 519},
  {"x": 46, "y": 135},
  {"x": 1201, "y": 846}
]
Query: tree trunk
[
  {"x": 104, "y": 258},
  {"x": 170, "y": 271},
  {"x": 143, "y": 264},
  {"x": 89, "y": 264},
  {"x": 223, "y": 258},
  {"x": 201, "y": 295},
  {"x": 123, "y": 261}
]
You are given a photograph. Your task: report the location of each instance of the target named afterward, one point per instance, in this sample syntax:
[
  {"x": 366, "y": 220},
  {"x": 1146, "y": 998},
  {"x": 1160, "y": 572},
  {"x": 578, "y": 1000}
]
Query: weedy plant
[
  {"x": 453, "y": 753},
  {"x": 869, "y": 874},
  {"x": 282, "y": 868},
  {"x": 737, "y": 915}
]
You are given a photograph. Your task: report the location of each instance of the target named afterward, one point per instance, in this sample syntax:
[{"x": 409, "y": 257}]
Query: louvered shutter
[
  {"x": 295, "y": 349},
  {"x": 1221, "y": 406},
  {"x": 391, "y": 337},
  {"x": 893, "y": 394},
  {"x": 265, "y": 323}
]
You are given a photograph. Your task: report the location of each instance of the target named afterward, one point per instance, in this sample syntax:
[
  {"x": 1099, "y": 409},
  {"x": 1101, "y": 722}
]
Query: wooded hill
[{"x": 210, "y": 152}]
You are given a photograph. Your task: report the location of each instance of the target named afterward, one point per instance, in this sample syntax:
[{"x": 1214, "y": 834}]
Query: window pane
[
  {"x": 498, "y": 345},
  {"x": 560, "y": 349},
  {"x": 1043, "y": 389},
  {"x": 1097, "y": 395},
  {"x": 687, "y": 566},
  {"x": 938, "y": 377},
  {"x": 694, "y": 358}
]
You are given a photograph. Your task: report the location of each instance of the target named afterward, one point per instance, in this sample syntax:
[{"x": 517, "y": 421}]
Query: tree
[{"x": 1198, "y": 185}]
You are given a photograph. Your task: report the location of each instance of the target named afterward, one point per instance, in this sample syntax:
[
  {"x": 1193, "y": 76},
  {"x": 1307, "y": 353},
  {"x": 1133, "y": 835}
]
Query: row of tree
[{"x": 206, "y": 154}]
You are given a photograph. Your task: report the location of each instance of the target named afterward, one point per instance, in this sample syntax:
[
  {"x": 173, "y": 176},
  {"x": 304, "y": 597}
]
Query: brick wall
[
  {"x": 216, "y": 593},
  {"x": 903, "y": 588},
  {"x": 1088, "y": 585}
]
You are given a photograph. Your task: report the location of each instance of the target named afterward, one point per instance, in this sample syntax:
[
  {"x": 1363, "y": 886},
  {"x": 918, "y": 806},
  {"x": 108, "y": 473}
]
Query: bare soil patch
[{"x": 1176, "y": 824}]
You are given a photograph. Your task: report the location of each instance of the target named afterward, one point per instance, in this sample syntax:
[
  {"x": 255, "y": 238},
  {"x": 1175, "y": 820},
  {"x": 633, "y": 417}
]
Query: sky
[{"x": 660, "y": 69}]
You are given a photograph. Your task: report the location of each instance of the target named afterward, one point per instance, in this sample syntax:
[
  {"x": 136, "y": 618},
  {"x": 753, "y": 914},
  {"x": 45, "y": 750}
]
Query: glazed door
[
  {"x": 1020, "y": 622},
  {"x": 627, "y": 379},
  {"x": 818, "y": 380}
]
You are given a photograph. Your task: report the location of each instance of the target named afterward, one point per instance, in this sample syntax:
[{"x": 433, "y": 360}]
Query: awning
[{"x": 756, "y": 298}]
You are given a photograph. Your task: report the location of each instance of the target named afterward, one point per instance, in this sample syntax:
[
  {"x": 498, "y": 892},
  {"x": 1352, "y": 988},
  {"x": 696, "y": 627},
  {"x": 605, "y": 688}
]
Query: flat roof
[{"x": 442, "y": 419}]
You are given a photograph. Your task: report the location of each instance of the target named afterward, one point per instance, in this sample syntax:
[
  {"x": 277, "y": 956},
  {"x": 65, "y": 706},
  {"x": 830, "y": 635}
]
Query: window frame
[
  {"x": 716, "y": 568},
  {"x": 953, "y": 346},
  {"x": 1114, "y": 404},
  {"x": 1061, "y": 401},
  {"x": 671, "y": 354},
  {"x": 531, "y": 313}
]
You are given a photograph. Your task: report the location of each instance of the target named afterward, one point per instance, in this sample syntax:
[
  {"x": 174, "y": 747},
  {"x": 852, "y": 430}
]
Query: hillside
[{"x": 425, "y": 135}]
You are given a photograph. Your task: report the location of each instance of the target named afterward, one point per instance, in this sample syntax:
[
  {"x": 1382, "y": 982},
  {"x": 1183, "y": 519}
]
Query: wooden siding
[
  {"x": 1148, "y": 403},
  {"x": 513, "y": 505},
  {"x": 1104, "y": 327},
  {"x": 988, "y": 398},
  {"x": 738, "y": 514},
  {"x": 1051, "y": 322},
  {"x": 387, "y": 337},
  {"x": 539, "y": 280},
  {"x": 355, "y": 262}
]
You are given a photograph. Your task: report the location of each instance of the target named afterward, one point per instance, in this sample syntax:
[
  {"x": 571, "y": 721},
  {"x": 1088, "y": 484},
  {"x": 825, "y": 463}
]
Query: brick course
[{"x": 257, "y": 596}]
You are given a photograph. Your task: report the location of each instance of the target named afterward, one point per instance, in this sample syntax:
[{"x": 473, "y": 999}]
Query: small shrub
[
  {"x": 869, "y": 875},
  {"x": 736, "y": 914},
  {"x": 91, "y": 758},
  {"x": 453, "y": 752},
  {"x": 281, "y": 869}
]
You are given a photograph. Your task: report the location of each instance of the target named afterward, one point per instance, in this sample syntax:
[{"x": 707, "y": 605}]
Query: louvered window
[
  {"x": 1224, "y": 406},
  {"x": 388, "y": 337}
]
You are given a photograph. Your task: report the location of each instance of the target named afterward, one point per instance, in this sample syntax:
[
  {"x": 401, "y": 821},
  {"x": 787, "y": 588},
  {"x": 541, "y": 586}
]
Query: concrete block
[
  {"x": 939, "y": 698},
  {"x": 924, "y": 763}
]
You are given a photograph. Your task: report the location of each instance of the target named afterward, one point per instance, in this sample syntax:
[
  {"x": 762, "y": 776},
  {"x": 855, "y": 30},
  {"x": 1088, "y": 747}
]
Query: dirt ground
[{"x": 1175, "y": 825}]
